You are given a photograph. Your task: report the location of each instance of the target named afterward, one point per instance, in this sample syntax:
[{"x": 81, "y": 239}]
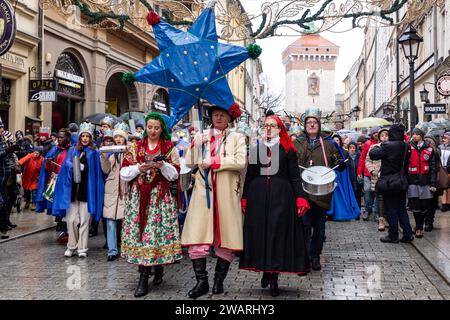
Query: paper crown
[
  {"x": 312, "y": 112},
  {"x": 44, "y": 130},
  {"x": 108, "y": 120},
  {"x": 87, "y": 127},
  {"x": 108, "y": 133},
  {"x": 122, "y": 126}
]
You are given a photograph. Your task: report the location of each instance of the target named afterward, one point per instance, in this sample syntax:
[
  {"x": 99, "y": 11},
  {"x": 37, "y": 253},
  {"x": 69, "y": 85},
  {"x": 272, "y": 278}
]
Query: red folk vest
[{"x": 419, "y": 163}]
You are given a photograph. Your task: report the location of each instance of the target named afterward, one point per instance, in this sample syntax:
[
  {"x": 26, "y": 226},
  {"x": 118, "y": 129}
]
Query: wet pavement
[
  {"x": 356, "y": 265},
  {"x": 29, "y": 222}
]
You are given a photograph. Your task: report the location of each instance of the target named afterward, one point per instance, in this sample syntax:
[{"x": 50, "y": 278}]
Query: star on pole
[{"x": 193, "y": 65}]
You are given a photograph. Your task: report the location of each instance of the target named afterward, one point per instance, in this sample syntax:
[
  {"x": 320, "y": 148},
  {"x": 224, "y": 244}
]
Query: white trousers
[{"x": 78, "y": 235}]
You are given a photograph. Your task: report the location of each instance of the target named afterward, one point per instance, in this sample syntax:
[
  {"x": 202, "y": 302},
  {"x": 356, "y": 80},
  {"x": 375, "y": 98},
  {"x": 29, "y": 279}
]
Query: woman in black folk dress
[{"x": 273, "y": 203}]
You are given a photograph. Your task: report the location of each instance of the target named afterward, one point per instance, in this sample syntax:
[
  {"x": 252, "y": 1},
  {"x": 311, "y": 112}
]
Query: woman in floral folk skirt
[{"x": 150, "y": 234}]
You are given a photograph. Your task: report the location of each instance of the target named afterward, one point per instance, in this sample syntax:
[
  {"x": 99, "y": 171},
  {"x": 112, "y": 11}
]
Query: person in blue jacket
[
  {"x": 344, "y": 206},
  {"x": 81, "y": 199}
]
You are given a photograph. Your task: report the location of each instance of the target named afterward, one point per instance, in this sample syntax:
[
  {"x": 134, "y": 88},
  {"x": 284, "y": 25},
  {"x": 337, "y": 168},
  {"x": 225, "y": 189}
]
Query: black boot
[
  {"x": 222, "y": 267},
  {"x": 265, "y": 280},
  {"x": 315, "y": 263},
  {"x": 274, "y": 292},
  {"x": 202, "y": 286},
  {"x": 142, "y": 288},
  {"x": 159, "y": 272}
]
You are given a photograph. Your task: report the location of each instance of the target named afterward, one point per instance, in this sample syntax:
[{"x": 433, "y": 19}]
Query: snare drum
[{"x": 318, "y": 180}]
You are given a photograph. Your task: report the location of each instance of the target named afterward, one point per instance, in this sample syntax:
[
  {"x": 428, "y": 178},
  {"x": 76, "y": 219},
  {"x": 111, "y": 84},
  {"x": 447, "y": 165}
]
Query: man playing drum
[{"x": 316, "y": 149}]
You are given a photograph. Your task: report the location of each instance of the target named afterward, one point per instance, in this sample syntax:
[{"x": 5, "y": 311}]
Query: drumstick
[{"x": 333, "y": 168}]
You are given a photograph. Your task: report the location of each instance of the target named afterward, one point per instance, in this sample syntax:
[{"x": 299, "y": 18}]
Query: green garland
[
  {"x": 254, "y": 51},
  {"x": 97, "y": 17},
  {"x": 128, "y": 79}
]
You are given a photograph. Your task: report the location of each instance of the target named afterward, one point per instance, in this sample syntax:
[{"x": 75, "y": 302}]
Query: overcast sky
[{"x": 350, "y": 44}]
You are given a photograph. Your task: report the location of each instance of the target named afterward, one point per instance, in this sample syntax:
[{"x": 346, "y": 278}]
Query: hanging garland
[{"x": 272, "y": 19}]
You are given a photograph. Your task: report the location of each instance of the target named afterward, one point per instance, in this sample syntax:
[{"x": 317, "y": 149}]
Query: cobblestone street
[{"x": 356, "y": 265}]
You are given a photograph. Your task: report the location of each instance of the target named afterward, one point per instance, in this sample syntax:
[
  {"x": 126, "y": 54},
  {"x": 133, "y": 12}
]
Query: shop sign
[
  {"x": 69, "y": 84},
  {"x": 42, "y": 90},
  {"x": 43, "y": 96},
  {"x": 436, "y": 108},
  {"x": 443, "y": 85},
  {"x": 7, "y": 26},
  {"x": 160, "y": 106},
  {"x": 69, "y": 76}
]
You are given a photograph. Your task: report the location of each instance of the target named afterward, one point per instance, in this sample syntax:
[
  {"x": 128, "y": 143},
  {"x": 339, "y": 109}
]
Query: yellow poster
[{"x": 112, "y": 107}]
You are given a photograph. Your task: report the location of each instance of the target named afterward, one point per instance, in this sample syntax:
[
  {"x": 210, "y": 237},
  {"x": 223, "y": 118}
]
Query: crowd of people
[{"x": 245, "y": 200}]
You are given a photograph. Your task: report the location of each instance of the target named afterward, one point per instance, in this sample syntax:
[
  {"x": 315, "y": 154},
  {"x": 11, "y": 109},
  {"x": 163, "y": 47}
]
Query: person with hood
[
  {"x": 374, "y": 166},
  {"x": 314, "y": 149},
  {"x": 24, "y": 147},
  {"x": 79, "y": 190},
  {"x": 421, "y": 178},
  {"x": 31, "y": 164},
  {"x": 45, "y": 141},
  {"x": 273, "y": 203},
  {"x": 344, "y": 206},
  {"x": 445, "y": 156},
  {"x": 5, "y": 171},
  {"x": 50, "y": 168},
  {"x": 115, "y": 192},
  {"x": 73, "y": 128},
  {"x": 431, "y": 212},
  {"x": 370, "y": 203},
  {"x": 394, "y": 158},
  {"x": 353, "y": 156},
  {"x": 214, "y": 217}
]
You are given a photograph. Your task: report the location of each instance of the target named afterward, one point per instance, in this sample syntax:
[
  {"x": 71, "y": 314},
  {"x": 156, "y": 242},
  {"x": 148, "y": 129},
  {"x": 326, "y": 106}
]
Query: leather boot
[
  {"x": 158, "y": 278},
  {"x": 265, "y": 280},
  {"x": 142, "y": 288},
  {"x": 222, "y": 267},
  {"x": 274, "y": 292},
  {"x": 202, "y": 286}
]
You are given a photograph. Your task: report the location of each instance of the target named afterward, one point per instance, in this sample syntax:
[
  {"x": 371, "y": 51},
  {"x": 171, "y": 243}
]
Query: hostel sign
[
  {"x": 7, "y": 26},
  {"x": 435, "y": 108}
]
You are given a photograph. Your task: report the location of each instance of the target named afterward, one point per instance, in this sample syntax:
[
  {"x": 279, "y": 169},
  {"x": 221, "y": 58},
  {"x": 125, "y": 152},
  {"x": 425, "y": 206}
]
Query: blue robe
[
  {"x": 43, "y": 204},
  {"x": 96, "y": 184},
  {"x": 343, "y": 204}
]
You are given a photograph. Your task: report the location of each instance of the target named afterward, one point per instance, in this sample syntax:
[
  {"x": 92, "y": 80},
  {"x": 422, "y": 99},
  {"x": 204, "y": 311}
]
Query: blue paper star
[{"x": 192, "y": 65}]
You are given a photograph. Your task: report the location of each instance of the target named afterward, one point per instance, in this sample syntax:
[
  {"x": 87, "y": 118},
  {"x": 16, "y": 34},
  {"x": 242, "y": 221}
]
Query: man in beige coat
[{"x": 221, "y": 155}]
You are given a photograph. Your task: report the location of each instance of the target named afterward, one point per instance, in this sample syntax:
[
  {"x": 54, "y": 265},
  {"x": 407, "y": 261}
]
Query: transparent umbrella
[
  {"x": 371, "y": 122},
  {"x": 97, "y": 118}
]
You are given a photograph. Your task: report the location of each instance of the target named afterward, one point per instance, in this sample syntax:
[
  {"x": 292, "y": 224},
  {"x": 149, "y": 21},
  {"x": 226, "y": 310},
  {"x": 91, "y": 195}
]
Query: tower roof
[{"x": 312, "y": 40}]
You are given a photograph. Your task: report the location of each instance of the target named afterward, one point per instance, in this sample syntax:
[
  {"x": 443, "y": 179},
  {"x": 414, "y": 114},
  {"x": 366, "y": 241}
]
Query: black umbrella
[{"x": 97, "y": 118}]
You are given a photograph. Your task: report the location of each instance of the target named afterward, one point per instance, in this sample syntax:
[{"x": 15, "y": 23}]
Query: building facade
[
  {"x": 383, "y": 74},
  {"x": 16, "y": 65},
  {"x": 310, "y": 72}
]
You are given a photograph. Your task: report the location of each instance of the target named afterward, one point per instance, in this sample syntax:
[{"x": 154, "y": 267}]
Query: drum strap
[{"x": 323, "y": 151}]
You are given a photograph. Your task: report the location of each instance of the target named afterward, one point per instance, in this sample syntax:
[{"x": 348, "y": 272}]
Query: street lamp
[
  {"x": 410, "y": 42},
  {"x": 424, "y": 95}
]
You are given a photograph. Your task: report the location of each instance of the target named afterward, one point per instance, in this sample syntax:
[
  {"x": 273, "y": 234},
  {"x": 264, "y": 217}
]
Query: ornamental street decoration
[
  {"x": 7, "y": 26},
  {"x": 274, "y": 19},
  {"x": 193, "y": 65}
]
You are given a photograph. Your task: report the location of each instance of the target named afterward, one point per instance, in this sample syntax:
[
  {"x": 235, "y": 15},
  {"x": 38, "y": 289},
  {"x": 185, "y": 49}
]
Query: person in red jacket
[
  {"x": 369, "y": 197},
  {"x": 32, "y": 164}
]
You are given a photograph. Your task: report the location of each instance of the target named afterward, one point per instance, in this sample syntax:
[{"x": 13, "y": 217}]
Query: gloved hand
[
  {"x": 302, "y": 207},
  {"x": 244, "y": 205},
  {"x": 341, "y": 164},
  {"x": 433, "y": 189}
]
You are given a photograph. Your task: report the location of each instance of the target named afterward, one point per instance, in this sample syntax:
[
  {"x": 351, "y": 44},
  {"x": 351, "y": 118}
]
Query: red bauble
[
  {"x": 153, "y": 18},
  {"x": 235, "y": 111}
]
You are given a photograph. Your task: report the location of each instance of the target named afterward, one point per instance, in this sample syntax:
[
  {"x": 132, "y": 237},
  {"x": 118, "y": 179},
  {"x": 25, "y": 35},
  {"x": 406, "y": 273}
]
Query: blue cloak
[
  {"x": 96, "y": 185},
  {"x": 43, "y": 204},
  {"x": 343, "y": 204}
]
